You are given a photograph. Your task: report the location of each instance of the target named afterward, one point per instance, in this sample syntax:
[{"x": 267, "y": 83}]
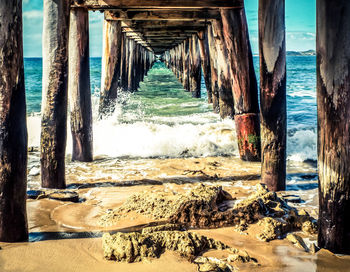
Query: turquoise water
[{"x": 164, "y": 120}]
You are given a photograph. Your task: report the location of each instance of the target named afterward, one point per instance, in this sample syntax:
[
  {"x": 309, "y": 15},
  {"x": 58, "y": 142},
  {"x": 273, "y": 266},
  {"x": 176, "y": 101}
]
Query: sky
[{"x": 300, "y": 26}]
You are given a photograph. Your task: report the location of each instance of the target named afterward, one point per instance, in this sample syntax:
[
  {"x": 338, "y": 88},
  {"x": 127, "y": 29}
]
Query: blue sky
[{"x": 300, "y": 26}]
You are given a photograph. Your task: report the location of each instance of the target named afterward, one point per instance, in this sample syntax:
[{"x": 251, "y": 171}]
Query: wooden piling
[
  {"x": 205, "y": 61},
  {"x": 79, "y": 85},
  {"x": 333, "y": 101},
  {"x": 213, "y": 69},
  {"x": 131, "y": 66},
  {"x": 110, "y": 78},
  {"x": 186, "y": 65},
  {"x": 272, "y": 48},
  {"x": 123, "y": 63},
  {"x": 54, "y": 98},
  {"x": 195, "y": 68},
  {"x": 13, "y": 127},
  {"x": 224, "y": 80},
  {"x": 244, "y": 84}
]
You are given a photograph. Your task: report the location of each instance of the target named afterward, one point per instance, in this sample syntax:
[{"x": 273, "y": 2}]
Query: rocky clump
[
  {"x": 163, "y": 206},
  {"x": 204, "y": 207},
  {"x": 135, "y": 247},
  {"x": 153, "y": 241},
  {"x": 265, "y": 207}
]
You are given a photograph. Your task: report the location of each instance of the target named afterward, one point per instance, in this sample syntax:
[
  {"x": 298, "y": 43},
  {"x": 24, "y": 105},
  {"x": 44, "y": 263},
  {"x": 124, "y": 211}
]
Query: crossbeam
[
  {"x": 163, "y": 15},
  {"x": 180, "y": 4}
]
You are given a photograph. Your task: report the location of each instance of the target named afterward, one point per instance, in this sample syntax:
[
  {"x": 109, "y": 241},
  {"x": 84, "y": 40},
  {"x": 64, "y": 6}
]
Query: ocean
[{"x": 162, "y": 120}]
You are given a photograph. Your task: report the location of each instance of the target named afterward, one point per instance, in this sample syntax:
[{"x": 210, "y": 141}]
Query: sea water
[{"x": 162, "y": 120}]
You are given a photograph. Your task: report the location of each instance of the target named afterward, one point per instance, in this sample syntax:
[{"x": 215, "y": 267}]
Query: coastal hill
[
  {"x": 297, "y": 53},
  {"x": 301, "y": 53}
]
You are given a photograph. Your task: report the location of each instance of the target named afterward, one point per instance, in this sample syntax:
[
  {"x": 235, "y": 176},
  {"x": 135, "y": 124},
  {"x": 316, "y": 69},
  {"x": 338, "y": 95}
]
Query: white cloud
[{"x": 33, "y": 14}]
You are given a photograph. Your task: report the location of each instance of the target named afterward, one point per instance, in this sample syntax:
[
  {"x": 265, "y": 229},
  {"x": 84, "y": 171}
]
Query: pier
[{"x": 193, "y": 38}]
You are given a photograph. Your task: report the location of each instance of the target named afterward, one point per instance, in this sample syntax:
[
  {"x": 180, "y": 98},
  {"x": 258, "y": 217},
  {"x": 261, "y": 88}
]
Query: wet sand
[{"x": 66, "y": 236}]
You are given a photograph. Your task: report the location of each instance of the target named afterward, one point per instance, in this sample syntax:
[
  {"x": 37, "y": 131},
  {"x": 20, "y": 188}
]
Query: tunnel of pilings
[{"x": 193, "y": 38}]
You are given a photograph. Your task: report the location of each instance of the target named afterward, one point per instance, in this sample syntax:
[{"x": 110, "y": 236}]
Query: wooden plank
[
  {"x": 272, "y": 48},
  {"x": 146, "y": 4},
  {"x": 55, "y": 88},
  {"x": 333, "y": 110},
  {"x": 79, "y": 85},
  {"x": 13, "y": 128},
  {"x": 166, "y": 15}
]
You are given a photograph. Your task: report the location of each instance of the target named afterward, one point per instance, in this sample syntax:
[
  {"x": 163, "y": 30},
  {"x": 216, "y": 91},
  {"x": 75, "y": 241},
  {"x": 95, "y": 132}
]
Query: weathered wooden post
[
  {"x": 79, "y": 85},
  {"x": 244, "y": 84},
  {"x": 272, "y": 47},
  {"x": 110, "y": 80},
  {"x": 186, "y": 65},
  {"x": 333, "y": 101},
  {"x": 13, "y": 126},
  {"x": 224, "y": 80},
  {"x": 55, "y": 87},
  {"x": 213, "y": 70},
  {"x": 124, "y": 63},
  {"x": 205, "y": 60},
  {"x": 195, "y": 67},
  {"x": 131, "y": 65}
]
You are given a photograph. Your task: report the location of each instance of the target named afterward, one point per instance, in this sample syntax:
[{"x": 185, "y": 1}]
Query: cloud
[{"x": 33, "y": 14}]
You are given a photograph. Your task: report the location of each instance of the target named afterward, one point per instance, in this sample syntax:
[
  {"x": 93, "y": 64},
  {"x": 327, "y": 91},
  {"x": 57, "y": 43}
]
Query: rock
[
  {"x": 64, "y": 196},
  {"x": 313, "y": 248},
  {"x": 36, "y": 194},
  {"x": 292, "y": 198},
  {"x": 297, "y": 241},
  {"x": 272, "y": 229},
  {"x": 134, "y": 247}
]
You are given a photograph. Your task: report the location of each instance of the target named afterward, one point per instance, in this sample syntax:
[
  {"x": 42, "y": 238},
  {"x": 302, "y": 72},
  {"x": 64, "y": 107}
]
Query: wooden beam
[
  {"x": 146, "y": 4},
  {"x": 144, "y": 25},
  {"x": 55, "y": 88},
  {"x": 166, "y": 15},
  {"x": 79, "y": 85},
  {"x": 272, "y": 48},
  {"x": 333, "y": 110},
  {"x": 13, "y": 128}
]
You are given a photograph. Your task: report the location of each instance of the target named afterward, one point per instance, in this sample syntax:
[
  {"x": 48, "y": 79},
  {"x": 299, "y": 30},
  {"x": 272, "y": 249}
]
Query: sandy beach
[{"x": 67, "y": 236}]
